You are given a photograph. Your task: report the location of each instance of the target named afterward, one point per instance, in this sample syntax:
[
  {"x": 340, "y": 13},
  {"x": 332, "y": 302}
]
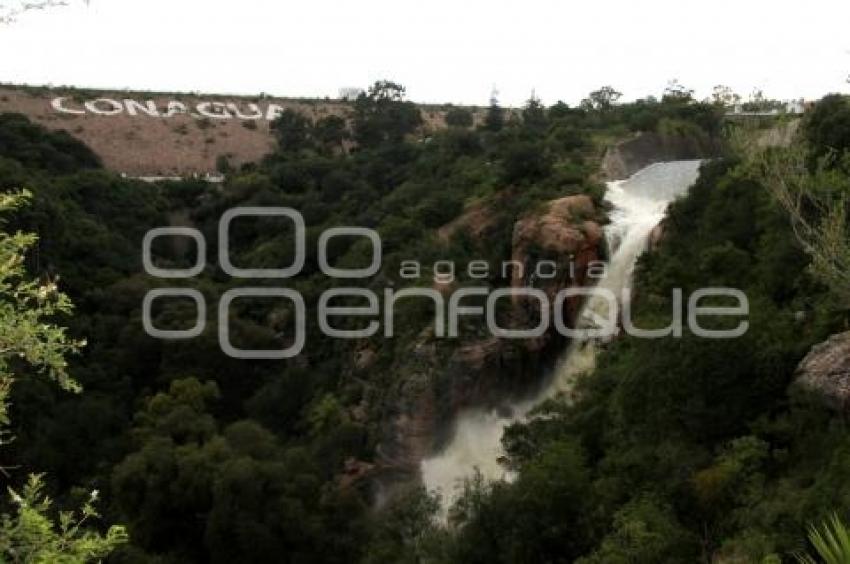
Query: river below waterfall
[{"x": 638, "y": 205}]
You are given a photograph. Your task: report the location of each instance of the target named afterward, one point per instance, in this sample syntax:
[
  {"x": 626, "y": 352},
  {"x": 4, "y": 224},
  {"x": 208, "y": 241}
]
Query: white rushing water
[{"x": 638, "y": 204}]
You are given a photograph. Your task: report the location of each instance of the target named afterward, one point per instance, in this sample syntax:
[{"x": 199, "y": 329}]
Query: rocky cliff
[
  {"x": 441, "y": 378},
  {"x": 568, "y": 234}
]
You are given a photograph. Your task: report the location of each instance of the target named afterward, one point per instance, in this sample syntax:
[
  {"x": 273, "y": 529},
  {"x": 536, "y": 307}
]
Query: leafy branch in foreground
[
  {"x": 24, "y": 305},
  {"x": 31, "y": 535},
  {"x": 28, "y": 338}
]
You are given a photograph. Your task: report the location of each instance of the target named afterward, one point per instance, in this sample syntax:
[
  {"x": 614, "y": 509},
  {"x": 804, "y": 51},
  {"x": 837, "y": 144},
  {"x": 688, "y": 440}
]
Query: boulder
[{"x": 826, "y": 371}]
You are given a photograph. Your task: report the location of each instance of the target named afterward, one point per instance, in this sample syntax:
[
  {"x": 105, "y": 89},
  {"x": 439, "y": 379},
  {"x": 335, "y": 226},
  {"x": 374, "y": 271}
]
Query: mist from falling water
[{"x": 638, "y": 204}]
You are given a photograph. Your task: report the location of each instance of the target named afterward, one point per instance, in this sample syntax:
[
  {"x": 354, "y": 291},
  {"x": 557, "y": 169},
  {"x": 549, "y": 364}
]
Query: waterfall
[{"x": 639, "y": 204}]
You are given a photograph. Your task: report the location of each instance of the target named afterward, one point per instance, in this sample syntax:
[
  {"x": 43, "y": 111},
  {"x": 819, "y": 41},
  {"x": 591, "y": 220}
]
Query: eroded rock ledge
[{"x": 826, "y": 371}]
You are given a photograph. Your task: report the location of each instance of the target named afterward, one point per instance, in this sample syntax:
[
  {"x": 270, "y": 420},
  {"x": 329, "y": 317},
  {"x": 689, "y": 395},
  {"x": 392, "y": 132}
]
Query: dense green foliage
[
  {"x": 828, "y": 126},
  {"x": 33, "y": 147},
  {"x": 676, "y": 451}
]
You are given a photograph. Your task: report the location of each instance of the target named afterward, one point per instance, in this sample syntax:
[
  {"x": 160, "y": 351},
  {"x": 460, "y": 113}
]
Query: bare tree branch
[
  {"x": 10, "y": 11},
  {"x": 816, "y": 210}
]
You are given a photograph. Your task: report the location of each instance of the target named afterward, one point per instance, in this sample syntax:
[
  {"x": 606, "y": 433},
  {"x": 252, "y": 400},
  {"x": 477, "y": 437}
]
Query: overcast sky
[{"x": 442, "y": 50}]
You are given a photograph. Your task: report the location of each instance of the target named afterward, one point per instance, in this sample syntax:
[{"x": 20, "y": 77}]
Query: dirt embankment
[{"x": 152, "y": 134}]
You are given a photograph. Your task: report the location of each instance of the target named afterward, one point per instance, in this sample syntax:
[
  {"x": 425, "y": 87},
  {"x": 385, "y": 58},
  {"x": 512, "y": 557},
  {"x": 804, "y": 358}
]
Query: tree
[
  {"x": 560, "y": 110},
  {"x": 383, "y": 116},
  {"x": 495, "y": 118},
  {"x": 827, "y": 127},
  {"x": 534, "y": 115},
  {"x": 757, "y": 97},
  {"x": 676, "y": 92},
  {"x": 525, "y": 161},
  {"x": 406, "y": 531},
  {"x": 33, "y": 146},
  {"x": 644, "y": 531},
  {"x": 724, "y": 96},
  {"x": 386, "y": 91},
  {"x": 538, "y": 518},
  {"x": 459, "y": 117},
  {"x": 28, "y": 334},
  {"x": 292, "y": 130},
  {"x": 198, "y": 492},
  {"x": 222, "y": 164},
  {"x": 331, "y": 132},
  {"x": 602, "y": 99}
]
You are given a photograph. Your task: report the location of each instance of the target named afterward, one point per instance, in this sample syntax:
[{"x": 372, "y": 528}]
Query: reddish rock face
[
  {"x": 354, "y": 471},
  {"x": 826, "y": 371},
  {"x": 559, "y": 229},
  {"x": 564, "y": 233},
  {"x": 563, "y": 230}
]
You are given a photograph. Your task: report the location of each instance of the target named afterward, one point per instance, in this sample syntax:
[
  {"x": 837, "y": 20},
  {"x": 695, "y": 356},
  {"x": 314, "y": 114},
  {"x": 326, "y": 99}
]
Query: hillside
[{"x": 171, "y": 134}]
